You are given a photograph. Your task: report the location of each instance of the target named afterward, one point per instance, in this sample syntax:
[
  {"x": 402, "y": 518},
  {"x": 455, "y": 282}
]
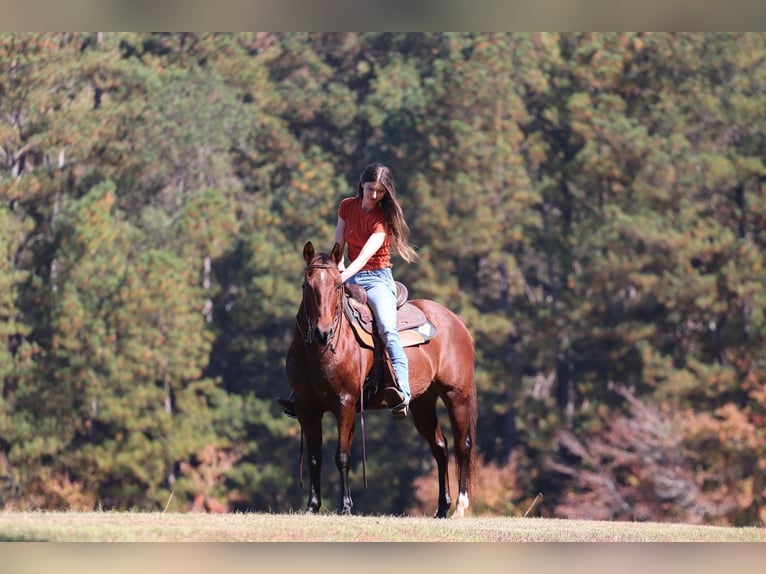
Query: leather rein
[{"x": 308, "y": 339}]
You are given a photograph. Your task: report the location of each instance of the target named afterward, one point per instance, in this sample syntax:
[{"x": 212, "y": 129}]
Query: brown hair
[{"x": 397, "y": 226}]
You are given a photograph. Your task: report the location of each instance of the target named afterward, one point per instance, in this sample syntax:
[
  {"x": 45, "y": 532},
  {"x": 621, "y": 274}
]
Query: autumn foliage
[{"x": 593, "y": 205}]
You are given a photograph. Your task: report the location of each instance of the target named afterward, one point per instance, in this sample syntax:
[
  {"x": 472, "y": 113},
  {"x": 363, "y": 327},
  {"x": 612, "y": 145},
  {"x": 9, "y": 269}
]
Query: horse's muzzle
[{"x": 322, "y": 336}]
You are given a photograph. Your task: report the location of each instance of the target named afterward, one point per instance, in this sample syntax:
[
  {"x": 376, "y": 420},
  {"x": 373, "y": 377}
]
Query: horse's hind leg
[
  {"x": 423, "y": 411},
  {"x": 462, "y": 413}
]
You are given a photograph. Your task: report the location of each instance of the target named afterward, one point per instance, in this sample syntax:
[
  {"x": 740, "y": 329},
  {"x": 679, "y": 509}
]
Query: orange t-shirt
[{"x": 359, "y": 227}]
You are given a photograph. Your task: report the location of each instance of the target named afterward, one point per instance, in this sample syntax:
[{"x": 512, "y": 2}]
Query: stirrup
[
  {"x": 399, "y": 412},
  {"x": 398, "y": 402},
  {"x": 288, "y": 406}
]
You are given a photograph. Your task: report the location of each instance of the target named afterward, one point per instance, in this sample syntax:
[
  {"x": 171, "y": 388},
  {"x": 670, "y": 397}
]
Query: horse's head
[{"x": 322, "y": 293}]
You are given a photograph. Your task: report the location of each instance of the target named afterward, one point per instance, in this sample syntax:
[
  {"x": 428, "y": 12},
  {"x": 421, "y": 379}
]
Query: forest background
[{"x": 592, "y": 205}]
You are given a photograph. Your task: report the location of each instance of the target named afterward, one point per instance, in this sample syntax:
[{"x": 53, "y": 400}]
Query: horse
[{"x": 326, "y": 367}]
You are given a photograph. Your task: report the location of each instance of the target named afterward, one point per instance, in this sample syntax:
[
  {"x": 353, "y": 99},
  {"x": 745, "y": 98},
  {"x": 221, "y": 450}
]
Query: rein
[{"x": 308, "y": 339}]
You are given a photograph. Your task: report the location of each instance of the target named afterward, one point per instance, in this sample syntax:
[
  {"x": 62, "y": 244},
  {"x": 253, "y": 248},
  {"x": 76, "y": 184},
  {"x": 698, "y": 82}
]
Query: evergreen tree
[{"x": 590, "y": 203}]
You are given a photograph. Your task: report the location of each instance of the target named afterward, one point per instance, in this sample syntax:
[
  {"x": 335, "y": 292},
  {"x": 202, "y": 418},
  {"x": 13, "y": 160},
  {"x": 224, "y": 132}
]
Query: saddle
[{"x": 412, "y": 324}]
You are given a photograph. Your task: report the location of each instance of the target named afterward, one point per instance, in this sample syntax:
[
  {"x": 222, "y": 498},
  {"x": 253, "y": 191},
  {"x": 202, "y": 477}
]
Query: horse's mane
[{"x": 322, "y": 259}]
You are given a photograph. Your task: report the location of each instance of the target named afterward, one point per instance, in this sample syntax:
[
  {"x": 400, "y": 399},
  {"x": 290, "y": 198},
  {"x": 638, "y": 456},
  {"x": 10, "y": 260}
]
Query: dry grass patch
[{"x": 171, "y": 527}]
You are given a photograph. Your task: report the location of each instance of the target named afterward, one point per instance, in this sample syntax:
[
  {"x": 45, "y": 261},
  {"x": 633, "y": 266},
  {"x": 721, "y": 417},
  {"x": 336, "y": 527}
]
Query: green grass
[{"x": 171, "y": 527}]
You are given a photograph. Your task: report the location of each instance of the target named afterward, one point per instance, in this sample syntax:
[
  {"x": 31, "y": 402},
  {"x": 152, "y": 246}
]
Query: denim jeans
[{"x": 381, "y": 297}]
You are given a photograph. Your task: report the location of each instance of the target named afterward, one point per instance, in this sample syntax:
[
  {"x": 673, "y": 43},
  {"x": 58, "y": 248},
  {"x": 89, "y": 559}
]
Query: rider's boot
[
  {"x": 398, "y": 401},
  {"x": 396, "y": 398}
]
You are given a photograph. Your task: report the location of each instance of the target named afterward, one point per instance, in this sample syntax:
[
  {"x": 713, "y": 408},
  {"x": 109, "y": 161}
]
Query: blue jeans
[{"x": 381, "y": 297}]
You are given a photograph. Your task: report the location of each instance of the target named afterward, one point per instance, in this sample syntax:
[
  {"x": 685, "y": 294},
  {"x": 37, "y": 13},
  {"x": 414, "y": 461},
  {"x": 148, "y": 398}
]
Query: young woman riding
[{"x": 373, "y": 227}]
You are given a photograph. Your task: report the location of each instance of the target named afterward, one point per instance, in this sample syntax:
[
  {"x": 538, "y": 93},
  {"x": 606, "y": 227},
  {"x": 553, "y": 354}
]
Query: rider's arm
[
  {"x": 371, "y": 246},
  {"x": 340, "y": 233}
]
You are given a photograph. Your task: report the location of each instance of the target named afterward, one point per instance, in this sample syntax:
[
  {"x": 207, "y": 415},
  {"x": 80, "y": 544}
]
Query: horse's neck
[{"x": 348, "y": 355}]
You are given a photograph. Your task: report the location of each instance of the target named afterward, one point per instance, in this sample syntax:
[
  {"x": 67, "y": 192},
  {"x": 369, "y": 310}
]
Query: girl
[{"x": 373, "y": 227}]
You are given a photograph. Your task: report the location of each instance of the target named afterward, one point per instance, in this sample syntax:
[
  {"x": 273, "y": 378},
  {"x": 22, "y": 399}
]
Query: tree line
[{"x": 592, "y": 204}]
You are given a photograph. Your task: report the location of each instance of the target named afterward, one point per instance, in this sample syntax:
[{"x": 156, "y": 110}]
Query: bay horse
[{"x": 326, "y": 367}]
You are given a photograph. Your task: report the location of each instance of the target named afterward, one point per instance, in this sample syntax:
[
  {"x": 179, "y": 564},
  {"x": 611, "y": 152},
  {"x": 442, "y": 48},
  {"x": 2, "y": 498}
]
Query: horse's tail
[
  {"x": 467, "y": 453},
  {"x": 473, "y": 409}
]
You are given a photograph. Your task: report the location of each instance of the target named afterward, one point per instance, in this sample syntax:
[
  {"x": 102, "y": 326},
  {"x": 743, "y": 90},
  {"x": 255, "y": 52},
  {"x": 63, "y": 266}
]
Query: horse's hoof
[
  {"x": 462, "y": 505},
  {"x": 313, "y": 507}
]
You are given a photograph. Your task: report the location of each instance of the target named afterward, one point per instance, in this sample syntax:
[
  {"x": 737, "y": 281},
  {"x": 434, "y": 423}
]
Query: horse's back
[
  {"x": 444, "y": 318},
  {"x": 453, "y": 340}
]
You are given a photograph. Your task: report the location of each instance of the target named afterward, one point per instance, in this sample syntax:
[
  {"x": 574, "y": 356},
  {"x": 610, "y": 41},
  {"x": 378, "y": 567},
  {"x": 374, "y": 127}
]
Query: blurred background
[{"x": 592, "y": 205}]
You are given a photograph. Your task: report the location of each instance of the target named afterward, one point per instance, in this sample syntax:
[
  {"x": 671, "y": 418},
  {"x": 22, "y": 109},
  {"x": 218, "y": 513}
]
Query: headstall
[{"x": 308, "y": 336}]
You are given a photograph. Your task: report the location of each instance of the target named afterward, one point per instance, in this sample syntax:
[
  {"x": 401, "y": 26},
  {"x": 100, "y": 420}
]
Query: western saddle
[{"x": 412, "y": 324}]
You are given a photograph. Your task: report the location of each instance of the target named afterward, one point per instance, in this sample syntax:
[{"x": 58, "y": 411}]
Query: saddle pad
[
  {"x": 413, "y": 325},
  {"x": 409, "y": 337},
  {"x": 418, "y": 335}
]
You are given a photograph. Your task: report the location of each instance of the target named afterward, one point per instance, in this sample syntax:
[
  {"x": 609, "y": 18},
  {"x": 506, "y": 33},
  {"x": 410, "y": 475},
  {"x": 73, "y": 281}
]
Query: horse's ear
[
  {"x": 308, "y": 252},
  {"x": 337, "y": 253}
]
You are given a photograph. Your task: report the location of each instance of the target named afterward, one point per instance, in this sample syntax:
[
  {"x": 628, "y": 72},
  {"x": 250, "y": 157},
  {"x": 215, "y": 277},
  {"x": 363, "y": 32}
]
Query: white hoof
[{"x": 462, "y": 505}]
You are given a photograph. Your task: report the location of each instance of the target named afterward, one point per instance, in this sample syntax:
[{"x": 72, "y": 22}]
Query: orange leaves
[
  {"x": 729, "y": 428},
  {"x": 652, "y": 463}
]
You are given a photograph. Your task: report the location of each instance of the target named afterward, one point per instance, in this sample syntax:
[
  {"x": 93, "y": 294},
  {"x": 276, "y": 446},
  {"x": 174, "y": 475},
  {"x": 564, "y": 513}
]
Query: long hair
[{"x": 397, "y": 226}]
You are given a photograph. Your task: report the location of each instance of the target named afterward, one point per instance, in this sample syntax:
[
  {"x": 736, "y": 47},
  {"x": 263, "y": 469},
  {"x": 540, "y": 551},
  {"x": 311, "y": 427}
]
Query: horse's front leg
[
  {"x": 346, "y": 417},
  {"x": 311, "y": 426}
]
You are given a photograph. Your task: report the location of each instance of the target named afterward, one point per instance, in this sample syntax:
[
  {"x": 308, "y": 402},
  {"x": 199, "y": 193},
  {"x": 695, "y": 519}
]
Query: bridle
[
  {"x": 308, "y": 336},
  {"x": 308, "y": 339}
]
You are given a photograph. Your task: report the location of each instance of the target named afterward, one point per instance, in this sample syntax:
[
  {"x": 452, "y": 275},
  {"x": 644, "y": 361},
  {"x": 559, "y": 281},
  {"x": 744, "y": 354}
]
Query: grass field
[
  {"x": 159, "y": 527},
  {"x": 202, "y": 544}
]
